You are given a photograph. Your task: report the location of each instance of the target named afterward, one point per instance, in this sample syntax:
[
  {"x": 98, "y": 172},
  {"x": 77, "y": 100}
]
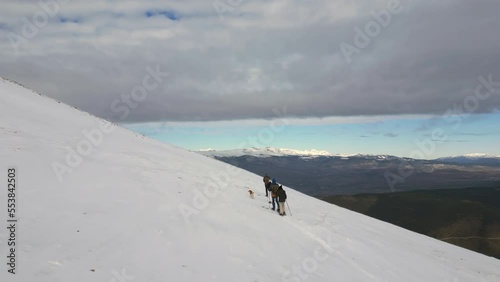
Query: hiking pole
[{"x": 288, "y": 208}]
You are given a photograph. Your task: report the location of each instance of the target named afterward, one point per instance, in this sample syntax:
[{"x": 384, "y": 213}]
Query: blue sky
[{"x": 398, "y": 136}]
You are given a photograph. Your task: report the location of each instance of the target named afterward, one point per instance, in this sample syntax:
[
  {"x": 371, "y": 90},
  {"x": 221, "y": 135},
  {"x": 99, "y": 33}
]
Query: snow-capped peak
[
  {"x": 284, "y": 152},
  {"x": 265, "y": 152},
  {"x": 206, "y": 150},
  {"x": 480, "y": 155},
  {"x": 472, "y": 156}
]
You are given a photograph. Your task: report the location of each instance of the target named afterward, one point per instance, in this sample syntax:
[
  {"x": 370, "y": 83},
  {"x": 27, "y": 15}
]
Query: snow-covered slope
[{"x": 134, "y": 209}]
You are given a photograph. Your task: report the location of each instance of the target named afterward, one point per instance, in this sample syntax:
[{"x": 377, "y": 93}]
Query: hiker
[
  {"x": 267, "y": 183},
  {"x": 268, "y": 188},
  {"x": 274, "y": 194},
  {"x": 281, "y": 199}
]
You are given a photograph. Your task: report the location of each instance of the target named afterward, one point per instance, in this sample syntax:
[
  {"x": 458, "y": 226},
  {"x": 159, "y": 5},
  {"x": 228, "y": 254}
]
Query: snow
[
  {"x": 472, "y": 156},
  {"x": 480, "y": 155},
  {"x": 263, "y": 152},
  {"x": 283, "y": 152},
  {"x": 122, "y": 214}
]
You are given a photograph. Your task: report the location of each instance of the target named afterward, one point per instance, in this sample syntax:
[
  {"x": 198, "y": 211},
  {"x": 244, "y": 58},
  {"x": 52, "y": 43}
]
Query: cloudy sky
[{"x": 377, "y": 76}]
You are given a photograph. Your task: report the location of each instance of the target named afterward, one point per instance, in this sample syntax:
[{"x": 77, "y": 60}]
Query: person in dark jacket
[
  {"x": 267, "y": 184},
  {"x": 282, "y": 199},
  {"x": 274, "y": 194}
]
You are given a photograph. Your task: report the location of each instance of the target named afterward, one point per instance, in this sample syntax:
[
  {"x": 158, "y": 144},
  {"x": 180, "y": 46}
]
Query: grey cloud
[{"x": 424, "y": 62}]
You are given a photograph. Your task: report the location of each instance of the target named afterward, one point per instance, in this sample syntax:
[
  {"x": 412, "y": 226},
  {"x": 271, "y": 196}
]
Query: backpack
[
  {"x": 281, "y": 195},
  {"x": 274, "y": 189}
]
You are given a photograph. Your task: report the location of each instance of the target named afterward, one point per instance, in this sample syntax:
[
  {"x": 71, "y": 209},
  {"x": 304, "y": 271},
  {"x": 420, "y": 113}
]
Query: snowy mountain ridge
[
  {"x": 476, "y": 156},
  {"x": 263, "y": 152},
  {"x": 284, "y": 152},
  {"x": 135, "y": 209},
  {"x": 281, "y": 152}
]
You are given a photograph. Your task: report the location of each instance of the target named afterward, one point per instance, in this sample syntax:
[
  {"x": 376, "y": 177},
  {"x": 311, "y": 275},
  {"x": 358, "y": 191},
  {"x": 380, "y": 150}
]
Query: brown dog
[{"x": 251, "y": 193}]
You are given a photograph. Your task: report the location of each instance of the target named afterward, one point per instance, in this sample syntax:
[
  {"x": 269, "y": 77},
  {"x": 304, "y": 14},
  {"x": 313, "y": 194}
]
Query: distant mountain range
[
  {"x": 320, "y": 173},
  {"x": 282, "y": 152},
  {"x": 473, "y": 159}
]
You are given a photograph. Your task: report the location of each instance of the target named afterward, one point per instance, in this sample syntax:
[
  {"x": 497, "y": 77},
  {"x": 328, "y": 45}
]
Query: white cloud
[{"x": 289, "y": 122}]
